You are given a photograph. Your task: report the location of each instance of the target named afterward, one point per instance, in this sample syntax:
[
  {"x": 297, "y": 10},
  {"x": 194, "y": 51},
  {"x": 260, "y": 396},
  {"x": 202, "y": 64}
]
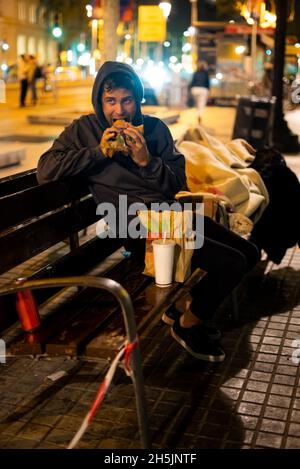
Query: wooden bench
[{"x": 35, "y": 219}]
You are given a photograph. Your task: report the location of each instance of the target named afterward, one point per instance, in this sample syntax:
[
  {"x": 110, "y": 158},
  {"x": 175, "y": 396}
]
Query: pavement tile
[
  {"x": 5, "y": 441},
  {"x": 266, "y": 358},
  {"x": 69, "y": 423},
  {"x": 114, "y": 443},
  {"x": 268, "y": 440},
  {"x": 267, "y": 348},
  {"x": 235, "y": 383},
  {"x": 33, "y": 431},
  {"x": 216, "y": 417},
  {"x": 208, "y": 443},
  {"x": 260, "y": 376},
  {"x": 230, "y": 392},
  {"x": 272, "y": 426},
  {"x": 59, "y": 437},
  {"x": 287, "y": 369},
  {"x": 244, "y": 436},
  {"x": 13, "y": 428},
  {"x": 283, "y": 379},
  {"x": 22, "y": 443},
  {"x": 249, "y": 408},
  {"x": 294, "y": 429},
  {"x": 295, "y": 416},
  {"x": 260, "y": 386},
  {"x": 276, "y": 413},
  {"x": 279, "y": 401},
  {"x": 296, "y": 404},
  {"x": 272, "y": 340},
  {"x": 281, "y": 389},
  {"x": 265, "y": 367},
  {"x": 252, "y": 396},
  {"x": 248, "y": 422},
  {"x": 44, "y": 418},
  {"x": 292, "y": 443}
]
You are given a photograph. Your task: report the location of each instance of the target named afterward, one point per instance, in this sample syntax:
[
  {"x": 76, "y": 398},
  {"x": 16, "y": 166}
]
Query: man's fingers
[{"x": 135, "y": 135}]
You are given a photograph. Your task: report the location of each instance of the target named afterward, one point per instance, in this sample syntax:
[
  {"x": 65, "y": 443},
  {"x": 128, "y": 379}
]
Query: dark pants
[
  {"x": 225, "y": 256},
  {"x": 24, "y": 86}
]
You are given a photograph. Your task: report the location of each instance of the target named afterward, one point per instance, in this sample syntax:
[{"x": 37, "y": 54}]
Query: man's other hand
[
  {"x": 137, "y": 146},
  {"x": 108, "y": 134}
]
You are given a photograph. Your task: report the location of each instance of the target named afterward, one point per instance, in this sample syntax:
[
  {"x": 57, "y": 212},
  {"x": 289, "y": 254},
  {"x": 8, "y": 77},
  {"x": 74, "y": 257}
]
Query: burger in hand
[{"x": 118, "y": 144}]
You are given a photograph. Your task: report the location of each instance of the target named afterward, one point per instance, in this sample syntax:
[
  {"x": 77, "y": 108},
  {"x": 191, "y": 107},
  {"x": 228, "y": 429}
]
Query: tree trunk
[
  {"x": 283, "y": 138},
  {"x": 111, "y": 16}
]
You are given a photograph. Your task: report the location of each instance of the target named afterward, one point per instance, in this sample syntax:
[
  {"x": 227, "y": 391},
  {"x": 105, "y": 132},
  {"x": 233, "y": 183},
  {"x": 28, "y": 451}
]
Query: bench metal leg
[{"x": 128, "y": 315}]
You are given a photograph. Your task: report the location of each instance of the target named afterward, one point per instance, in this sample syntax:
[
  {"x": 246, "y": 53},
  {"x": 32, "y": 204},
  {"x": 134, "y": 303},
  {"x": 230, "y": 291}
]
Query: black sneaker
[
  {"x": 172, "y": 314},
  {"x": 197, "y": 343}
]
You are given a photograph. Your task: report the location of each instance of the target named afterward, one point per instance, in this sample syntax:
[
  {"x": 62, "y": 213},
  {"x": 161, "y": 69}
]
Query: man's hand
[
  {"x": 108, "y": 134},
  {"x": 137, "y": 146}
]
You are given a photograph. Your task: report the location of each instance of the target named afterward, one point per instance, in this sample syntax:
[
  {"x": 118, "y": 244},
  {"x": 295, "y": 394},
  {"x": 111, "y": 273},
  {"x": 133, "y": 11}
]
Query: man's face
[{"x": 118, "y": 104}]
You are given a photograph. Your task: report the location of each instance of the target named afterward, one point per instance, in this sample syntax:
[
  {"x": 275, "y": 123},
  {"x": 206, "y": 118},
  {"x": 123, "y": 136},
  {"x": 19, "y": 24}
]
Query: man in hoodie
[{"x": 154, "y": 171}]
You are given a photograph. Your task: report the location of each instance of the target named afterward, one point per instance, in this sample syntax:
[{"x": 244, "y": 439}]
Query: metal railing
[{"x": 125, "y": 302}]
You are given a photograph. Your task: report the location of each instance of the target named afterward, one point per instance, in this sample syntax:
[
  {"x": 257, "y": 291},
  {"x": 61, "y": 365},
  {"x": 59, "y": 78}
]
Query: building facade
[{"x": 24, "y": 29}]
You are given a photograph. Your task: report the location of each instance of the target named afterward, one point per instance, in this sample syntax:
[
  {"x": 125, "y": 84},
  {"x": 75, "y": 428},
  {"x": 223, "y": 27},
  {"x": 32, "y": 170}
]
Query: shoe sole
[
  {"x": 200, "y": 356},
  {"x": 167, "y": 320}
]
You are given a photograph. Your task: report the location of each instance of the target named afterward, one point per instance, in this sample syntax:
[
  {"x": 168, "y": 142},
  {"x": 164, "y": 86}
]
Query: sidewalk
[{"x": 252, "y": 400}]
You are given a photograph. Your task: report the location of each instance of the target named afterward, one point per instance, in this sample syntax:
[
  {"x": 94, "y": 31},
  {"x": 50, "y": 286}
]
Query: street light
[
  {"x": 193, "y": 32},
  {"x": 166, "y": 8},
  {"x": 57, "y": 32}
]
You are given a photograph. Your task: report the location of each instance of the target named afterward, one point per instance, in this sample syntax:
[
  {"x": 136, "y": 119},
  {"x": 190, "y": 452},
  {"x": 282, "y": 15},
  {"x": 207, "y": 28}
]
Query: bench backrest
[{"x": 34, "y": 218}]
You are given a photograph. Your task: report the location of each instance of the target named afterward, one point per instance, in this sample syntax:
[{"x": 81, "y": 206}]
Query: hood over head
[{"x": 107, "y": 69}]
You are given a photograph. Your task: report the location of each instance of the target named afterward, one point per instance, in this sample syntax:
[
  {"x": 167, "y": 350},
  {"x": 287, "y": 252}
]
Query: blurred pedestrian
[
  {"x": 23, "y": 70},
  {"x": 47, "y": 72},
  {"x": 267, "y": 80},
  {"x": 200, "y": 88},
  {"x": 32, "y": 77}
]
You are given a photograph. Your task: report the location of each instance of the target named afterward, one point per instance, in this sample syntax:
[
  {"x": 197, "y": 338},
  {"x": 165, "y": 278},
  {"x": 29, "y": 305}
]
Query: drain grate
[{"x": 26, "y": 138}]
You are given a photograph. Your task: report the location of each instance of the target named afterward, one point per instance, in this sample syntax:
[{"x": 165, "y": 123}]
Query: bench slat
[
  {"x": 23, "y": 243},
  {"x": 18, "y": 182},
  {"x": 37, "y": 201},
  {"x": 148, "y": 306}
]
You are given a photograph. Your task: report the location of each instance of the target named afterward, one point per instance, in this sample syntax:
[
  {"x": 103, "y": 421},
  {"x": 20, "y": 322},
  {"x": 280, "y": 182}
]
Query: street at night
[{"x": 194, "y": 103}]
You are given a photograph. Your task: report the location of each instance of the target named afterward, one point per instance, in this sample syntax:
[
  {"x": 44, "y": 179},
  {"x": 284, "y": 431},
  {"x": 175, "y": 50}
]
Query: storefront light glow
[{"x": 69, "y": 55}]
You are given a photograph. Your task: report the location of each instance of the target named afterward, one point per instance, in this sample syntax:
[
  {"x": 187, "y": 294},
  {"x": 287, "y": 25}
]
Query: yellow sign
[
  {"x": 292, "y": 50},
  {"x": 151, "y": 24}
]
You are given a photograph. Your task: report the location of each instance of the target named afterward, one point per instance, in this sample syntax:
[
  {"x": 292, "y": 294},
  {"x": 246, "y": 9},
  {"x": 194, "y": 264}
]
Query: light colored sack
[{"x": 170, "y": 225}]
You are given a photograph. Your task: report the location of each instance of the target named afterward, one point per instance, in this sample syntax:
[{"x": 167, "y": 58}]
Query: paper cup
[{"x": 163, "y": 253}]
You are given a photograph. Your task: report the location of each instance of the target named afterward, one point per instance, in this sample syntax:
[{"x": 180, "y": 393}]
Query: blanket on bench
[{"x": 223, "y": 170}]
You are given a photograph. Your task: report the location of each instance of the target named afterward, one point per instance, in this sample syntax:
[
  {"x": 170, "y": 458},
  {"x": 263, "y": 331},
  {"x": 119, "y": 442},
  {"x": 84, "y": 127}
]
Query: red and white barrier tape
[{"x": 103, "y": 388}]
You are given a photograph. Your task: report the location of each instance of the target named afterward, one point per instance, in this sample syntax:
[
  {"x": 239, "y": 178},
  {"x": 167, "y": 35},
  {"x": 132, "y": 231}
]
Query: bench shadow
[{"x": 198, "y": 403}]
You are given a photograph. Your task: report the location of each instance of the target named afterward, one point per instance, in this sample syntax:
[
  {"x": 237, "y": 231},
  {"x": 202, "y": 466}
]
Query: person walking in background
[
  {"x": 199, "y": 88},
  {"x": 32, "y": 77},
  {"x": 267, "y": 80},
  {"x": 23, "y": 71}
]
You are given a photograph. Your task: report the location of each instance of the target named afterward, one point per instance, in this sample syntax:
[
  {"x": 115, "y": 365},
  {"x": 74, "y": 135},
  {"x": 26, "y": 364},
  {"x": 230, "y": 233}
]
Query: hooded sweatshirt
[{"x": 76, "y": 152}]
